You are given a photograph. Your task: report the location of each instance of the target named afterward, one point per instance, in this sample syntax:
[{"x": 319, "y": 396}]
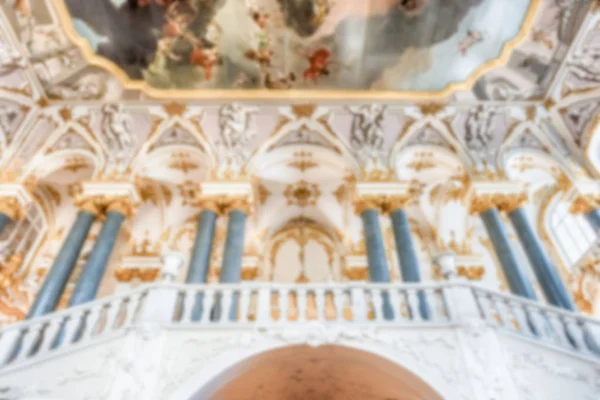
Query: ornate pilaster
[
  {"x": 486, "y": 199},
  {"x": 117, "y": 201}
]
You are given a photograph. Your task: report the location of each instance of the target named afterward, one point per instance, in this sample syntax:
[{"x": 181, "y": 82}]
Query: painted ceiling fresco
[{"x": 394, "y": 45}]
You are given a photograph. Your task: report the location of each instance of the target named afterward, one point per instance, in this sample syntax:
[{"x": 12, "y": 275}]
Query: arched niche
[
  {"x": 332, "y": 372},
  {"x": 302, "y": 252}
]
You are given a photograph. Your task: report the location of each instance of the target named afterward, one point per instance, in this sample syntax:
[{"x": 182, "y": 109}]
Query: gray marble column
[
  {"x": 378, "y": 266},
  {"x": 199, "y": 262},
  {"x": 5, "y": 220},
  {"x": 407, "y": 256},
  {"x": 231, "y": 267},
  {"x": 593, "y": 218},
  {"x": 93, "y": 271},
  {"x": 554, "y": 288},
  {"x": 51, "y": 291},
  {"x": 376, "y": 258},
  {"x": 515, "y": 274}
]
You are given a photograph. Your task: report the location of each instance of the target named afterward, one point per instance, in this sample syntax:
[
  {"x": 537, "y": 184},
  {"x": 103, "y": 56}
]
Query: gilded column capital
[
  {"x": 98, "y": 205},
  {"x": 370, "y": 202},
  {"x": 584, "y": 204},
  {"x": 123, "y": 205},
  {"x": 506, "y": 202},
  {"x": 11, "y": 207},
  {"x": 396, "y": 202},
  {"x": 511, "y": 201},
  {"x": 222, "y": 205}
]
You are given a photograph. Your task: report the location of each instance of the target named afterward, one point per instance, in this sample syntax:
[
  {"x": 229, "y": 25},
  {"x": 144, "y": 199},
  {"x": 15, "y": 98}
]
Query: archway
[{"x": 326, "y": 372}]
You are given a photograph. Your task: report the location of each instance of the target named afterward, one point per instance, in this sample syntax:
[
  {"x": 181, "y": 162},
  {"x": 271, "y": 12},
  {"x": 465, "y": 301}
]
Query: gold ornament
[
  {"x": 142, "y": 274},
  {"x": 302, "y": 194},
  {"x": 11, "y": 207},
  {"x": 584, "y": 204}
]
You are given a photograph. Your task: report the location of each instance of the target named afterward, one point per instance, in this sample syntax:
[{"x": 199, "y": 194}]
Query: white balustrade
[{"x": 277, "y": 304}]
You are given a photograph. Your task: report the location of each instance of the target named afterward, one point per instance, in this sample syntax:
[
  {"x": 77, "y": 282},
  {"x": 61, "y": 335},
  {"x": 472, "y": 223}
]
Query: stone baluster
[
  {"x": 89, "y": 281},
  {"x": 55, "y": 281}
]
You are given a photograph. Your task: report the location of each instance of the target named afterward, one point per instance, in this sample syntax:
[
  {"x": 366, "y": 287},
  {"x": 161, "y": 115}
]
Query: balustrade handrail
[
  {"x": 532, "y": 303},
  {"x": 172, "y": 304},
  {"x": 75, "y": 309},
  {"x": 293, "y": 286}
]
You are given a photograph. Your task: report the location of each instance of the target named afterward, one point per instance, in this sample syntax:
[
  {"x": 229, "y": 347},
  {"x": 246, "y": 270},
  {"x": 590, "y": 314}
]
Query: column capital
[
  {"x": 14, "y": 197},
  {"x": 12, "y": 208},
  {"x": 585, "y": 203},
  {"x": 101, "y": 197},
  {"x": 385, "y": 197},
  {"x": 223, "y": 197},
  {"x": 503, "y": 195}
]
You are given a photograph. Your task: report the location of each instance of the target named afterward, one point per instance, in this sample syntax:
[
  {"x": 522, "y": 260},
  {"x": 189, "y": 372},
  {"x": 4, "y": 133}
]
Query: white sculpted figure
[
  {"x": 10, "y": 59},
  {"x": 479, "y": 131},
  {"x": 366, "y": 133},
  {"x": 116, "y": 126},
  {"x": 236, "y": 133}
]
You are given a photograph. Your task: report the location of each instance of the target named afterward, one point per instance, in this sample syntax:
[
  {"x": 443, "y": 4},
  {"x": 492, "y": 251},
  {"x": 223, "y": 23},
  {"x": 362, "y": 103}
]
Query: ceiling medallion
[{"x": 302, "y": 194}]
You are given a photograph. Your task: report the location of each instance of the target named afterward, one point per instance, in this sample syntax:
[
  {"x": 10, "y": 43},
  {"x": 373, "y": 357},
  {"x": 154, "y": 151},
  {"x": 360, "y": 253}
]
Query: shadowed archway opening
[{"x": 321, "y": 373}]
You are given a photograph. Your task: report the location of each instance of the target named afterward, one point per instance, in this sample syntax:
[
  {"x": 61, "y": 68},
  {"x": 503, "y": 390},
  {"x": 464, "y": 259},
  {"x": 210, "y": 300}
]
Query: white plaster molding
[
  {"x": 383, "y": 188},
  {"x": 110, "y": 189},
  {"x": 226, "y": 189}
]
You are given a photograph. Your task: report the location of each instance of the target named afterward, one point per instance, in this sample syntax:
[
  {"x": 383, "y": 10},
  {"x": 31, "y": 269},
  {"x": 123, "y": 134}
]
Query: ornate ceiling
[{"x": 380, "y": 49}]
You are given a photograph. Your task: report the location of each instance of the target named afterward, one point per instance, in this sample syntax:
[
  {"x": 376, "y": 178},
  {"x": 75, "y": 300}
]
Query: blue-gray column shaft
[
  {"x": 378, "y": 266},
  {"x": 93, "y": 271},
  {"x": 199, "y": 263},
  {"x": 554, "y": 289},
  {"x": 407, "y": 256},
  {"x": 198, "y": 270},
  {"x": 515, "y": 275},
  {"x": 593, "y": 218},
  {"x": 5, "y": 220},
  {"x": 231, "y": 269},
  {"x": 51, "y": 291}
]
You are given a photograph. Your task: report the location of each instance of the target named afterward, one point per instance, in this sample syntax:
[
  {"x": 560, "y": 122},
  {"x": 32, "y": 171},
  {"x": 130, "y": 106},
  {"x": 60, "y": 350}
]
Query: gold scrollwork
[
  {"x": 98, "y": 205},
  {"x": 472, "y": 273},
  {"x": 142, "y": 274},
  {"x": 369, "y": 202},
  {"x": 357, "y": 274}
]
